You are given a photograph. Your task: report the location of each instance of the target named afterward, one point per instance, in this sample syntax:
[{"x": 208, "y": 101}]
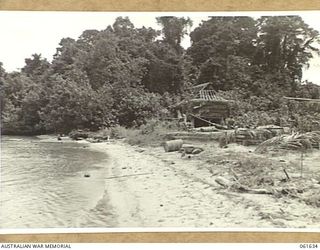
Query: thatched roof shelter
[{"x": 206, "y": 107}]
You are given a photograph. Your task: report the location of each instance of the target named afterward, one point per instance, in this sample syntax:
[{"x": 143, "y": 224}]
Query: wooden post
[
  {"x": 192, "y": 121},
  {"x": 286, "y": 173}
]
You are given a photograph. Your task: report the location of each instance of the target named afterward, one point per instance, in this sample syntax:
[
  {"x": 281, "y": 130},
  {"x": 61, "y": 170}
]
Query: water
[{"x": 43, "y": 184}]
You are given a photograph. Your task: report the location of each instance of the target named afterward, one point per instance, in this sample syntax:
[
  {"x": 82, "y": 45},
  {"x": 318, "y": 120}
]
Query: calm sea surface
[{"x": 43, "y": 184}]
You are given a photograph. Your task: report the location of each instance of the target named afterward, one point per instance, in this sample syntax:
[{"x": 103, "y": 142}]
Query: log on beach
[{"x": 173, "y": 145}]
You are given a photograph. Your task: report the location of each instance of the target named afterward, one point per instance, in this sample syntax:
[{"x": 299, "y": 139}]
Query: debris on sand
[
  {"x": 178, "y": 145},
  {"x": 248, "y": 170},
  {"x": 223, "y": 182},
  {"x": 190, "y": 149},
  {"x": 313, "y": 200},
  {"x": 197, "y": 151},
  {"x": 246, "y": 137},
  {"x": 257, "y": 174},
  {"x": 295, "y": 141}
]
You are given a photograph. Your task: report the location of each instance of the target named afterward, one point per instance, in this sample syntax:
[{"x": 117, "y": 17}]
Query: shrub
[{"x": 151, "y": 133}]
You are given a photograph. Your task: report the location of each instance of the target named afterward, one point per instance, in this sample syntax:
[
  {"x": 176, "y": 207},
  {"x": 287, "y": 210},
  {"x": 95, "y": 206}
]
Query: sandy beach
[{"x": 147, "y": 187}]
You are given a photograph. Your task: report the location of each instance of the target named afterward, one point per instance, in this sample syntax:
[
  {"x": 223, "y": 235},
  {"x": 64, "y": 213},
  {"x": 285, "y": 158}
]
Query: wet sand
[{"x": 147, "y": 187}]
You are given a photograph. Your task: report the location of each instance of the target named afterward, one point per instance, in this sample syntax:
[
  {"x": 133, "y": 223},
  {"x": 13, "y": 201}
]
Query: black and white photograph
[{"x": 160, "y": 120}]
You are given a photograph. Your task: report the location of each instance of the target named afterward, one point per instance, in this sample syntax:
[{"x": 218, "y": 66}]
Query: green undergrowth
[{"x": 150, "y": 134}]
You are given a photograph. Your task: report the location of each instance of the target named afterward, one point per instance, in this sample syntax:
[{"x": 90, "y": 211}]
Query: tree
[
  {"x": 241, "y": 52},
  {"x": 2, "y": 94},
  {"x": 35, "y": 66},
  {"x": 285, "y": 43},
  {"x": 223, "y": 36},
  {"x": 21, "y": 104},
  {"x": 174, "y": 29},
  {"x": 133, "y": 105},
  {"x": 74, "y": 106},
  {"x": 2, "y": 79},
  {"x": 309, "y": 90},
  {"x": 2, "y": 72},
  {"x": 108, "y": 64},
  {"x": 221, "y": 47},
  {"x": 87, "y": 39},
  {"x": 68, "y": 56},
  {"x": 123, "y": 26},
  {"x": 164, "y": 70}
]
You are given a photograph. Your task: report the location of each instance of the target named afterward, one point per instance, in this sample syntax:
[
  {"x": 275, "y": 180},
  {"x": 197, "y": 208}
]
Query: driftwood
[
  {"x": 255, "y": 190},
  {"x": 227, "y": 184},
  {"x": 234, "y": 174},
  {"x": 128, "y": 175},
  {"x": 223, "y": 181}
]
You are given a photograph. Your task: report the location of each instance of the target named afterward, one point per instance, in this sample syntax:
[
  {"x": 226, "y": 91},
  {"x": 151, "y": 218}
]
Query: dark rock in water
[{"x": 86, "y": 175}]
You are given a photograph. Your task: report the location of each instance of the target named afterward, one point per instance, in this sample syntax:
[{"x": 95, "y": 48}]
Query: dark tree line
[{"x": 126, "y": 75}]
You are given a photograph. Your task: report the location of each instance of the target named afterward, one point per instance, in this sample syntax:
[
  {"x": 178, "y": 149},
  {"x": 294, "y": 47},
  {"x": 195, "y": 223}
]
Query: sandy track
[{"x": 163, "y": 190}]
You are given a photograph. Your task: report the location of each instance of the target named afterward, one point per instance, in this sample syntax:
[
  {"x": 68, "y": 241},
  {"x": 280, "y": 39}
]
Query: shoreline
[
  {"x": 43, "y": 182},
  {"x": 147, "y": 187}
]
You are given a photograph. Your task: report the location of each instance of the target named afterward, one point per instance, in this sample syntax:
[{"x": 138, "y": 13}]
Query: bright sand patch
[{"x": 150, "y": 188}]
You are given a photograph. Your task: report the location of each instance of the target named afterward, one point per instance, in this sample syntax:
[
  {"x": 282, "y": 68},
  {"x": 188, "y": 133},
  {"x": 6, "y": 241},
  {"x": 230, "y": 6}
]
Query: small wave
[
  {"x": 102, "y": 215},
  {"x": 13, "y": 139}
]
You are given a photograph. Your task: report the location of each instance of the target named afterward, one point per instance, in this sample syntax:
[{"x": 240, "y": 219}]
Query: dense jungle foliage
[{"x": 125, "y": 75}]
